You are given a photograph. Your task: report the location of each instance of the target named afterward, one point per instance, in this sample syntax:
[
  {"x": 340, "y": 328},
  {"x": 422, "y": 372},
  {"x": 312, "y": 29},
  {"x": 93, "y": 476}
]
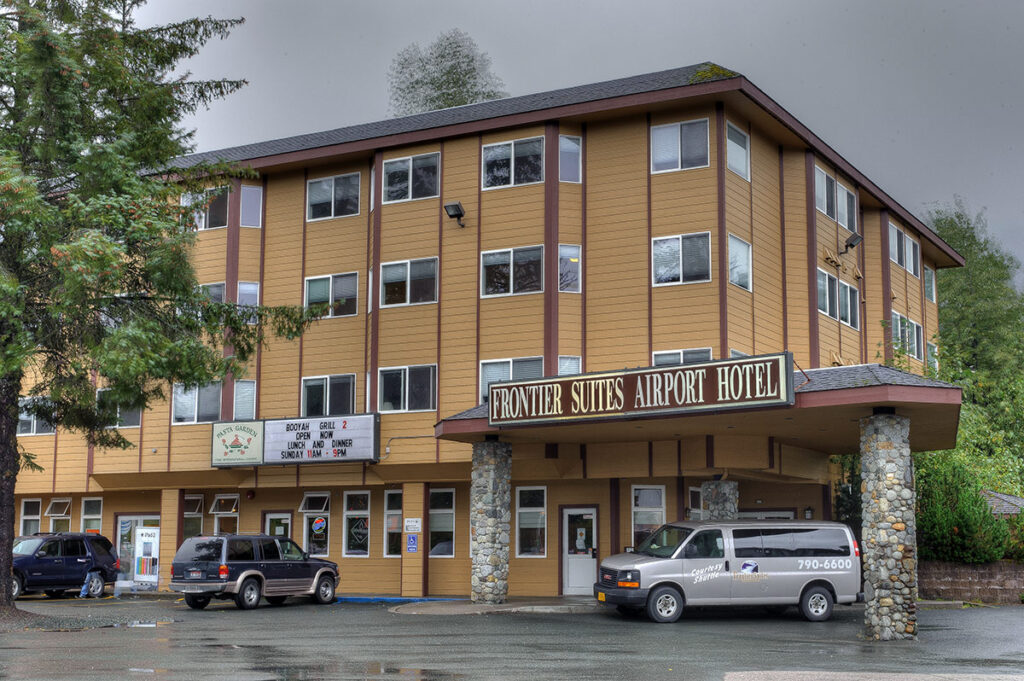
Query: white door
[
  {"x": 579, "y": 552},
  {"x": 126, "y": 549},
  {"x": 278, "y": 525}
]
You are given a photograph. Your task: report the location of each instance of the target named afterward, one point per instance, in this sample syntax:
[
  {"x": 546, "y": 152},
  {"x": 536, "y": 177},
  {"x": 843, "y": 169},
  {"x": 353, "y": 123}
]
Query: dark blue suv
[{"x": 58, "y": 562}]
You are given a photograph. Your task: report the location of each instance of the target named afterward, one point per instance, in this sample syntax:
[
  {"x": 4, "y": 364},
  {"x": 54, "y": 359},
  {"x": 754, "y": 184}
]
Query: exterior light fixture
[
  {"x": 809, "y": 513},
  {"x": 850, "y": 243},
  {"x": 456, "y": 212}
]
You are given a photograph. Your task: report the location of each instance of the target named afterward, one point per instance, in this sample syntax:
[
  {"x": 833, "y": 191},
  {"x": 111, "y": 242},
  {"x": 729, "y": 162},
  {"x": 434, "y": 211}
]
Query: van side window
[
  {"x": 706, "y": 544},
  {"x": 777, "y": 543},
  {"x": 747, "y": 543},
  {"x": 821, "y": 542}
]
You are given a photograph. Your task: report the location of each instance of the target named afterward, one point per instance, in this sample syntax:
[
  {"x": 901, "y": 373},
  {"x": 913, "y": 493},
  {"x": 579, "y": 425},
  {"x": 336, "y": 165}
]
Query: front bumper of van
[{"x": 631, "y": 597}]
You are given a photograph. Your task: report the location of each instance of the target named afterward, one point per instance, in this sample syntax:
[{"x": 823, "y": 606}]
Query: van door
[
  {"x": 706, "y": 575},
  {"x": 751, "y": 575}
]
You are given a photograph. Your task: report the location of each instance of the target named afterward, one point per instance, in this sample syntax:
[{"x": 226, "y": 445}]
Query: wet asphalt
[{"x": 163, "y": 639}]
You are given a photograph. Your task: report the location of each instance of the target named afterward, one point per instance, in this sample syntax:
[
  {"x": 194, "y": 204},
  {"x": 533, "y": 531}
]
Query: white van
[{"x": 813, "y": 565}]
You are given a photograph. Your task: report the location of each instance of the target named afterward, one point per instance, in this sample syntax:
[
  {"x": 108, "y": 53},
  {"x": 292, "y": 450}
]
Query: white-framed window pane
[
  {"x": 693, "y": 144},
  {"x": 422, "y": 382},
  {"x": 442, "y": 523},
  {"x": 396, "y": 180},
  {"x": 696, "y": 256},
  {"x": 183, "y": 402},
  {"x": 914, "y": 257},
  {"x": 648, "y": 497},
  {"x": 569, "y": 365},
  {"x": 393, "y": 523},
  {"x": 497, "y": 165},
  {"x": 830, "y": 196},
  {"x": 822, "y": 291},
  {"x": 393, "y": 284},
  {"x": 251, "y": 206},
  {"x": 739, "y": 262},
  {"x": 497, "y": 272},
  {"x": 528, "y": 368},
  {"x": 357, "y": 524},
  {"x": 820, "y": 202},
  {"x": 528, "y": 165},
  {"x": 423, "y": 281},
  {"x": 92, "y": 507},
  {"x": 248, "y": 293},
  {"x": 648, "y": 511},
  {"x": 833, "y": 297},
  {"x": 667, "y": 266},
  {"x": 736, "y": 151},
  {"x": 841, "y": 207},
  {"x": 528, "y": 269},
  {"x": 215, "y": 292},
  {"x": 392, "y": 390},
  {"x": 314, "y": 397},
  {"x": 346, "y": 195},
  {"x": 318, "y": 291},
  {"x": 217, "y": 212},
  {"x": 317, "y": 532},
  {"x": 425, "y": 176},
  {"x": 531, "y": 521},
  {"x": 209, "y": 403},
  {"x": 696, "y": 356},
  {"x": 341, "y": 395},
  {"x": 319, "y": 194},
  {"x": 662, "y": 359},
  {"x": 493, "y": 372},
  {"x": 851, "y": 211},
  {"x": 933, "y": 356},
  {"x": 929, "y": 284},
  {"x": 344, "y": 291},
  {"x": 664, "y": 148},
  {"x": 569, "y": 268},
  {"x": 245, "y": 400},
  {"x": 570, "y": 153}
]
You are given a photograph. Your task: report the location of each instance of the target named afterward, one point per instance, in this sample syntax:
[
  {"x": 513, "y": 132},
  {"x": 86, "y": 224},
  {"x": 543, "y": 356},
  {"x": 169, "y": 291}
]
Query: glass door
[
  {"x": 579, "y": 551},
  {"x": 278, "y": 525},
  {"x": 126, "y": 525}
]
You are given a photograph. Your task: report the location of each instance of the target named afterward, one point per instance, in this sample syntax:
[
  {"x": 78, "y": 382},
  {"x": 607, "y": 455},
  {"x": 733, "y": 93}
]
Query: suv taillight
[
  {"x": 117, "y": 564},
  {"x": 856, "y": 548},
  {"x": 223, "y": 572}
]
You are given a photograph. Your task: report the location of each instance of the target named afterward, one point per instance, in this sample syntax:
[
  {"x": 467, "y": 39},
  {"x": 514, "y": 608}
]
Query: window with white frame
[
  {"x": 59, "y": 513},
  {"x": 92, "y": 514},
  {"x": 248, "y": 298},
  {"x": 932, "y": 356},
  {"x": 209, "y": 209},
  {"x": 679, "y": 146},
  {"x": 244, "y": 407},
  {"x": 569, "y": 365},
  {"x": 517, "y": 369},
  {"x": 373, "y": 186},
  {"x": 681, "y": 259},
  {"x": 224, "y": 510},
  {"x": 695, "y": 507},
  {"x": 838, "y": 299},
  {"x": 648, "y": 510},
  {"x": 442, "y": 523},
  {"x": 392, "y": 523},
  {"x": 688, "y": 356},
  {"x": 531, "y": 522},
  {"x": 329, "y": 395},
  {"x": 196, "y": 405},
  {"x": 570, "y": 158},
  {"x": 835, "y": 200},
  {"x": 904, "y": 250},
  {"x": 738, "y": 151},
  {"x": 907, "y": 336},
  {"x": 412, "y": 177},
  {"x": 356, "y": 541},
  {"x": 316, "y": 522},
  {"x": 31, "y": 511},
  {"x": 215, "y": 292},
  {"x": 127, "y": 417},
  {"x": 408, "y": 282},
  {"x": 740, "y": 263},
  {"x": 568, "y": 268},
  {"x": 411, "y": 388},
  {"x": 251, "y": 200},
  {"x": 332, "y": 197},
  {"x": 737, "y": 354},
  {"x": 846, "y": 208},
  {"x": 338, "y": 290},
  {"x": 929, "y": 284},
  {"x": 192, "y": 516},
  {"x": 512, "y": 271},
  {"x": 516, "y": 162},
  {"x": 28, "y": 422}
]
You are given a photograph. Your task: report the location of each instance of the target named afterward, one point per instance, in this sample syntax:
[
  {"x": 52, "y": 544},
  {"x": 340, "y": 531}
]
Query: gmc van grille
[{"x": 609, "y": 577}]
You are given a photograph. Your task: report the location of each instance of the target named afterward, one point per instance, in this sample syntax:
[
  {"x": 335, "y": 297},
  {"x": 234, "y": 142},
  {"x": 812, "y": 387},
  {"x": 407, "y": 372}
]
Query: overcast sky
[{"x": 925, "y": 97}]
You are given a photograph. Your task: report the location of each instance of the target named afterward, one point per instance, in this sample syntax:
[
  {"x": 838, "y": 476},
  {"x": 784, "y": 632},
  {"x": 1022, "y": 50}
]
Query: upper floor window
[
  {"x": 932, "y": 356},
  {"x": 904, "y": 250},
  {"x": 908, "y": 336},
  {"x": 337, "y": 289},
  {"x": 570, "y": 158},
  {"x": 679, "y": 146},
  {"x": 512, "y": 271},
  {"x": 835, "y": 200},
  {"x": 249, "y": 298},
  {"x": 681, "y": 259},
  {"x": 126, "y": 417},
  {"x": 332, "y": 197},
  {"x": 689, "y": 356},
  {"x": 408, "y": 282},
  {"x": 244, "y": 408},
  {"x": 569, "y": 365},
  {"x": 413, "y": 177},
  {"x": 329, "y": 395},
  {"x": 215, "y": 292},
  {"x": 929, "y": 284},
  {"x": 29, "y": 423},
  {"x": 519, "y": 369},
  {"x": 251, "y": 214},
  {"x": 209, "y": 208},
  {"x": 738, "y": 151},
  {"x": 30, "y": 515},
  {"x": 740, "y": 263},
  {"x": 196, "y": 405},
  {"x": 838, "y": 299},
  {"x": 412, "y": 388},
  {"x": 515, "y": 162},
  {"x": 568, "y": 268}
]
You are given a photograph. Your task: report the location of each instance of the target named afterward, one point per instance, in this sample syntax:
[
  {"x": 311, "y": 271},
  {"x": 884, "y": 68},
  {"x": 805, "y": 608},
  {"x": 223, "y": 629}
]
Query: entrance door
[
  {"x": 278, "y": 525},
  {"x": 579, "y": 552},
  {"x": 126, "y": 525}
]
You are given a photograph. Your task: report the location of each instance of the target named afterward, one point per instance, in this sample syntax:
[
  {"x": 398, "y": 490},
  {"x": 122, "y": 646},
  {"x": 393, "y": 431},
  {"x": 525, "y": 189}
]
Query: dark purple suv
[{"x": 58, "y": 562}]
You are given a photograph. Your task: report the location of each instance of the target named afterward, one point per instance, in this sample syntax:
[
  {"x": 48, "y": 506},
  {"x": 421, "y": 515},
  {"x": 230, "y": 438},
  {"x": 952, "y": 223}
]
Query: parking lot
[{"x": 163, "y": 638}]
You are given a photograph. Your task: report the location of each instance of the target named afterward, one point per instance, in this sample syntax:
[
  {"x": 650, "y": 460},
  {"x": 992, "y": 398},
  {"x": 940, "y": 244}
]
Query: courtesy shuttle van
[{"x": 812, "y": 565}]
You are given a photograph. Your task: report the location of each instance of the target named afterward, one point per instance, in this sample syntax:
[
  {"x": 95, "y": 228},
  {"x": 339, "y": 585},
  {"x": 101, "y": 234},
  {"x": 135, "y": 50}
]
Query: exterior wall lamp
[
  {"x": 456, "y": 212},
  {"x": 852, "y": 242}
]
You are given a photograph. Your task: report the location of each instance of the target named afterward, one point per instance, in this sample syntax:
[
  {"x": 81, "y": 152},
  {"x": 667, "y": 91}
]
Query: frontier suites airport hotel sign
[{"x": 745, "y": 383}]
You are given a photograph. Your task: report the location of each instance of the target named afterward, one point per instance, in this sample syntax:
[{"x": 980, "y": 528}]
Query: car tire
[
  {"x": 276, "y": 600},
  {"x": 17, "y": 587},
  {"x": 664, "y": 604},
  {"x": 248, "y": 596},
  {"x": 196, "y": 602},
  {"x": 94, "y": 585},
  {"x": 816, "y": 604},
  {"x": 324, "y": 592}
]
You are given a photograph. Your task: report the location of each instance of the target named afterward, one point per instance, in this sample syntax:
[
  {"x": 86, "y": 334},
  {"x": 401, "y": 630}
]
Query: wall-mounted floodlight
[
  {"x": 456, "y": 212},
  {"x": 850, "y": 243}
]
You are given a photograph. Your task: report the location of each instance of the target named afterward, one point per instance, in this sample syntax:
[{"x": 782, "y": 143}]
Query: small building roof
[{"x": 1003, "y": 504}]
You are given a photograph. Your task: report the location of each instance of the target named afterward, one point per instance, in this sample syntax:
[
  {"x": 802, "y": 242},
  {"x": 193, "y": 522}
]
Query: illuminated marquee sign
[
  {"x": 749, "y": 382},
  {"x": 324, "y": 439}
]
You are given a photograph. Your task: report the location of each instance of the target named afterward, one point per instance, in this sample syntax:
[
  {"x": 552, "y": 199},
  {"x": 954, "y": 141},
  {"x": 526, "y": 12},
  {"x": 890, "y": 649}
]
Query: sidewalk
[{"x": 563, "y": 605}]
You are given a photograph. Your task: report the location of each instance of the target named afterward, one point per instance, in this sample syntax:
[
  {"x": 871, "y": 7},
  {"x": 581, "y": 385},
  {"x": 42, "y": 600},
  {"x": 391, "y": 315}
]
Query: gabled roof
[{"x": 1003, "y": 504}]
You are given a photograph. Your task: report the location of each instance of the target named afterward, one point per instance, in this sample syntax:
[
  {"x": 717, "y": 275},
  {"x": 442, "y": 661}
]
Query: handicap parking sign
[{"x": 411, "y": 543}]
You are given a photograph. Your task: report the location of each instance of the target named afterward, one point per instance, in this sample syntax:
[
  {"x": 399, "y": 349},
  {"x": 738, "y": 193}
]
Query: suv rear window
[
  {"x": 101, "y": 546},
  {"x": 200, "y": 550}
]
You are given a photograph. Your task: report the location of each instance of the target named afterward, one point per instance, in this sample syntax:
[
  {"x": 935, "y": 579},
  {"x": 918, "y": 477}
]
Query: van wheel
[
  {"x": 664, "y": 604},
  {"x": 816, "y": 604},
  {"x": 324, "y": 593},
  {"x": 196, "y": 602},
  {"x": 94, "y": 585},
  {"x": 248, "y": 597}
]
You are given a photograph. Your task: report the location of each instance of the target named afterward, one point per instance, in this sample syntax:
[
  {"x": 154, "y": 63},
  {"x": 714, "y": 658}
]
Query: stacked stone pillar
[
  {"x": 721, "y": 499},
  {"x": 489, "y": 520},
  {"x": 889, "y": 530}
]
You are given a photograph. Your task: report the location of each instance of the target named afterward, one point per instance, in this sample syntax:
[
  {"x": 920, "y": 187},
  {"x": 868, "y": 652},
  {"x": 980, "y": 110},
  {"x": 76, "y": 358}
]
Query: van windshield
[{"x": 664, "y": 541}]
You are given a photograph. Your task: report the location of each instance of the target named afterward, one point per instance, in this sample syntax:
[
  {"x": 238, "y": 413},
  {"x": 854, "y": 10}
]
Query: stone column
[
  {"x": 722, "y": 499},
  {"x": 490, "y": 514},
  {"x": 889, "y": 528}
]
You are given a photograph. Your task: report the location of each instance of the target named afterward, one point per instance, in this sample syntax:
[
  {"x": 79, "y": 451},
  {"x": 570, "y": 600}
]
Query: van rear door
[{"x": 706, "y": 575}]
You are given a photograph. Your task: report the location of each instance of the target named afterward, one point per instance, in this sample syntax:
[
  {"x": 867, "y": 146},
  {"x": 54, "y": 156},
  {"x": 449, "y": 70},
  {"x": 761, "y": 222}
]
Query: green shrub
[{"x": 1015, "y": 543}]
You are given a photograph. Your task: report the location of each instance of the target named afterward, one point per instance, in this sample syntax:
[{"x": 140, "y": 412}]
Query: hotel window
[
  {"x": 569, "y": 365},
  {"x": 442, "y": 523},
  {"x": 356, "y": 542},
  {"x": 29, "y": 423},
  {"x": 408, "y": 282},
  {"x": 933, "y": 356},
  {"x": 196, "y": 405},
  {"x": 679, "y": 146},
  {"x": 531, "y": 522},
  {"x": 316, "y": 522},
  {"x": 30, "y": 515},
  {"x": 332, "y": 197},
  {"x": 249, "y": 298},
  {"x": 244, "y": 401},
  {"x": 512, "y": 163},
  {"x": 126, "y": 417},
  {"x": 412, "y": 388},
  {"x": 568, "y": 268},
  {"x": 835, "y": 200},
  {"x": 414, "y": 177},
  {"x": 92, "y": 514},
  {"x": 251, "y": 214},
  {"x": 675, "y": 357},
  {"x": 740, "y": 263},
  {"x": 681, "y": 259},
  {"x": 929, "y": 284},
  {"x": 215, "y": 292},
  {"x": 224, "y": 510},
  {"x": 59, "y": 513},
  {"x": 520, "y": 369},
  {"x": 907, "y": 336},
  {"x": 512, "y": 271},
  {"x": 192, "y": 516},
  {"x": 209, "y": 208},
  {"x": 570, "y": 158},
  {"x": 329, "y": 395},
  {"x": 738, "y": 151},
  {"x": 904, "y": 251},
  {"x": 737, "y": 354},
  {"x": 392, "y": 523},
  {"x": 648, "y": 511},
  {"x": 846, "y": 208},
  {"x": 340, "y": 290},
  {"x": 838, "y": 299}
]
